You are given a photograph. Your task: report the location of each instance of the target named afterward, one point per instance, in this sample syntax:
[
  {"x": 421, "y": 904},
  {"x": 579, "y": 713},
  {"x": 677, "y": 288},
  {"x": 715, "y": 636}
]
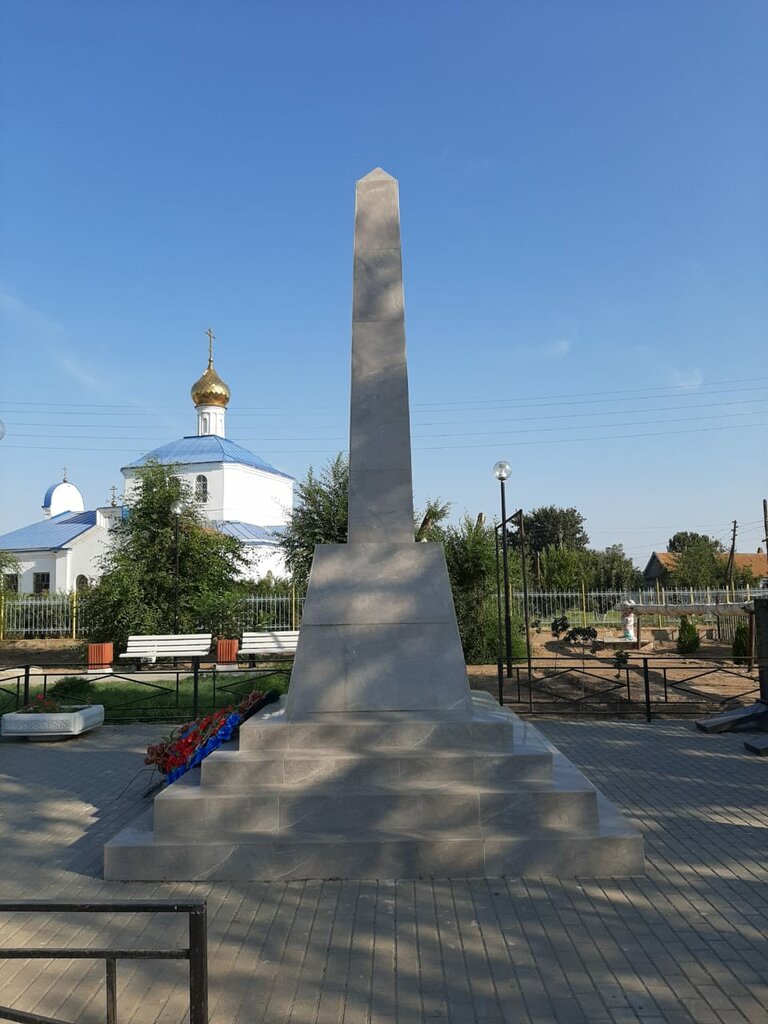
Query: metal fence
[
  {"x": 166, "y": 692},
  {"x": 270, "y": 612},
  {"x": 642, "y": 686},
  {"x": 45, "y": 616},
  {"x": 603, "y": 607},
  {"x": 32, "y": 616},
  {"x": 196, "y": 952}
]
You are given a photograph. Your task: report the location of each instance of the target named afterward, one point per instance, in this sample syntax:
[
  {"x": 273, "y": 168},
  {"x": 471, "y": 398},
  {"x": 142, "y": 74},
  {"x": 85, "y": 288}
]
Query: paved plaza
[{"x": 686, "y": 944}]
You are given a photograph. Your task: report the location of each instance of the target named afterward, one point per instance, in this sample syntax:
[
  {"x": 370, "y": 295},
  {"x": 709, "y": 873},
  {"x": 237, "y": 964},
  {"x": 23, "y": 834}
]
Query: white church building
[{"x": 237, "y": 491}]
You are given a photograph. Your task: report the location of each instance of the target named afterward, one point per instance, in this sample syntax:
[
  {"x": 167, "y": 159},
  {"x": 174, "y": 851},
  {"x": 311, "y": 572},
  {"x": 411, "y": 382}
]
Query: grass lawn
[{"x": 163, "y": 700}]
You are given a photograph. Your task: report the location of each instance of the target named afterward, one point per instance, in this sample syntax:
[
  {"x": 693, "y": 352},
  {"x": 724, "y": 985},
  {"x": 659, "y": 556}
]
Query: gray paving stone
[{"x": 684, "y": 945}]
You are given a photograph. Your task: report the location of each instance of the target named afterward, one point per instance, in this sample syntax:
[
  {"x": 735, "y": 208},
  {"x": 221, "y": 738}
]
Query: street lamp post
[
  {"x": 501, "y": 471},
  {"x": 525, "y": 595},
  {"x": 499, "y": 655},
  {"x": 177, "y": 508}
]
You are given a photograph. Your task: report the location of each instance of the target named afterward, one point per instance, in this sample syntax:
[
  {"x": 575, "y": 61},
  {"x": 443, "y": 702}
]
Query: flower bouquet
[{"x": 187, "y": 745}]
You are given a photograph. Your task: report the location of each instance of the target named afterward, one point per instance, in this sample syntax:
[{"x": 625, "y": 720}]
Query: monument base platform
[{"x": 380, "y": 796}]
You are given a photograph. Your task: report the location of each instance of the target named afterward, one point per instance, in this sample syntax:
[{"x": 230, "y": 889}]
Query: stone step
[
  {"x": 484, "y": 731},
  {"x": 244, "y": 769},
  {"x": 187, "y": 812},
  {"x": 613, "y": 848}
]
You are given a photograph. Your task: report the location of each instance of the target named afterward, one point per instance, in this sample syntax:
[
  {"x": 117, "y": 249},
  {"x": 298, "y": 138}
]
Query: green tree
[
  {"x": 685, "y": 539},
  {"x": 470, "y": 553},
  {"x": 699, "y": 564},
  {"x": 552, "y": 527},
  {"x": 319, "y": 516},
  {"x": 8, "y": 565},
  {"x": 563, "y": 568},
  {"x": 137, "y": 590},
  {"x": 612, "y": 569}
]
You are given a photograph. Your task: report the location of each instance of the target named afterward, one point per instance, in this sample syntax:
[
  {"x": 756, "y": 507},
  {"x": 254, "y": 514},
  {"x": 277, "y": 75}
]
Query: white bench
[
  {"x": 183, "y": 645},
  {"x": 282, "y": 641}
]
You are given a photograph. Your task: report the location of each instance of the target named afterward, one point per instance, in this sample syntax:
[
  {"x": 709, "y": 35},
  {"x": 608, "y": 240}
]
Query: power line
[
  {"x": 522, "y": 419},
  {"x": 436, "y": 448}
]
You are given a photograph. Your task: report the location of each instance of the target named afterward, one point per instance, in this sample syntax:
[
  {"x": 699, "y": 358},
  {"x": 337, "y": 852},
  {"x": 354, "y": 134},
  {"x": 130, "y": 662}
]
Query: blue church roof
[
  {"x": 49, "y": 534},
  {"x": 204, "y": 448},
  {"x": 247, "y": 532}
]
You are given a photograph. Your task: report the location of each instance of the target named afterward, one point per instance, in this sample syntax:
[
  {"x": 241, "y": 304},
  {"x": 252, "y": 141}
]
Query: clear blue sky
[{"x": 585, "y": 225}]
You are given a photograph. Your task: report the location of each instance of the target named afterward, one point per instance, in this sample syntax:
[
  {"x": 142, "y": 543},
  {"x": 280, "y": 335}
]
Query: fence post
[
  {"x": 26, "y": 685},
  {"x": 647, "y": 683},
  {"x": 583, "y": 604},
  {"x": 198, "y": 966},
  {"x": 2, "y": 614},
  {"x": 111, "y": 989},
  {"x": 195, "y": 685},
  {"x": 74, "y": 615}
]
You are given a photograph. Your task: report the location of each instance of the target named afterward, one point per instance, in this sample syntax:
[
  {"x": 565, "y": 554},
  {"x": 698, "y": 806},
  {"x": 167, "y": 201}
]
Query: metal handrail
[{"x": 196, "y": 952}]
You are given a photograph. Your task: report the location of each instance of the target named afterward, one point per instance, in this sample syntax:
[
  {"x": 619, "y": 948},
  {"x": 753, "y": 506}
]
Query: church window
[
  {"x": 206, "y": 424},
  {"x": 81, "y": 583},
  {"x": 11, "y": 582},
  {"x": 201, "y": 488},
  {"x": 41, "y": 582}
]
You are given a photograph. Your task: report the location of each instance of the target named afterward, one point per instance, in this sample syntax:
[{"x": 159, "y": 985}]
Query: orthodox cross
[
  {"x": 211, "y": 336},
  {"x": 64, "y": 480},
  {"x": 114, "y": 496}
]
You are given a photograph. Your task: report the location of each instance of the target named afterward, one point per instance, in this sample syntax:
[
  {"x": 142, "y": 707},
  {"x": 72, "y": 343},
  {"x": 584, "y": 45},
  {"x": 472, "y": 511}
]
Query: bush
[
  {"x": 688, "y": 639},
  {"x": 740, "y": 646},
  {"x": 73, "y": 690},
  {"x": 581, "y": 635}
]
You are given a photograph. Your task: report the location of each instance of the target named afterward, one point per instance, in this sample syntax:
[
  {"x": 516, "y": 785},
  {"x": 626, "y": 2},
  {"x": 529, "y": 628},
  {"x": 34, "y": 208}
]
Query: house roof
[
  {"x": 757, "y": 563},
  {"x": 49, "y": 534},
  {"x": 204, "y": 448},
  {"x": 247, "y": 532}
]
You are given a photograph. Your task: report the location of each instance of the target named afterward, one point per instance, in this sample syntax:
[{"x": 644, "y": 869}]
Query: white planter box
[{"x": 55, "y": 724}]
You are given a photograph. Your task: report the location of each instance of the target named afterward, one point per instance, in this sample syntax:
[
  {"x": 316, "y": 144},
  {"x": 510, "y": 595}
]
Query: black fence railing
[
  {"x": 162, "y": 691},
  {"x": 643, "y": 686},
  {"x": 196, "y": 952}
]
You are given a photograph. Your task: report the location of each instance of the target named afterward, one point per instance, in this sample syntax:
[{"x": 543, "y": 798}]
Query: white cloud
[
  {"x": 22, "y": 317},
  {"x": 83, "y": 377},
  {"x": 687, "y": 379},
  {"x": 555, "y": 349},
  {"x": 558, "y": 349}
]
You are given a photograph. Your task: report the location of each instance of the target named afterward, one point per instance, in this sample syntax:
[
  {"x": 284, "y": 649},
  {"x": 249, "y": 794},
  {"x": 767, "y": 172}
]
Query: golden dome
[{"x": 211, "y": 389}]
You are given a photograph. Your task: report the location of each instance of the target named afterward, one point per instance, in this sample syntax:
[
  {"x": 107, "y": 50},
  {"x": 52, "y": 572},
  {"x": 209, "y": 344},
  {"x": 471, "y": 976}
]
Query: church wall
[
  {"x": 252, "y": 496},
  {"x": 84, "y": 554},
  {"x": 65, "y": 565},
  {"x": 31, "y": 562}
]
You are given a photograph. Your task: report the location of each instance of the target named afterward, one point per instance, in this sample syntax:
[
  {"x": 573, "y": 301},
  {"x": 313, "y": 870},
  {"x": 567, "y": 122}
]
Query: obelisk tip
[{"x": 377, "y": 174}]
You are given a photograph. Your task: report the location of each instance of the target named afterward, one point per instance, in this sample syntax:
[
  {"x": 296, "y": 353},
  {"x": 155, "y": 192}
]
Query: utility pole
[
  {"x": 765, "y": 525},
  {"x": 731, "y": 558}
]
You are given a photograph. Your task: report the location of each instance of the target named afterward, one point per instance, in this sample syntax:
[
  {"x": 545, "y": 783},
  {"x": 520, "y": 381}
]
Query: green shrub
[
  {"x": 73, "y": 690},
  {"x": 688, "y": 639},
  {"x": 740, "y": 646}
]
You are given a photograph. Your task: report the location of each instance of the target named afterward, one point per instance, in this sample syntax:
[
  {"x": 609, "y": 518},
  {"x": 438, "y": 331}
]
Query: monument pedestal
[{"x": 380, "y": 795}]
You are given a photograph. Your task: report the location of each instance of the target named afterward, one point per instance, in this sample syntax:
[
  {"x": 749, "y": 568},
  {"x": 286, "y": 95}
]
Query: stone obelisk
[
  {"x": 380, "y": 763},
  {"x": 379, "y": 629}
]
